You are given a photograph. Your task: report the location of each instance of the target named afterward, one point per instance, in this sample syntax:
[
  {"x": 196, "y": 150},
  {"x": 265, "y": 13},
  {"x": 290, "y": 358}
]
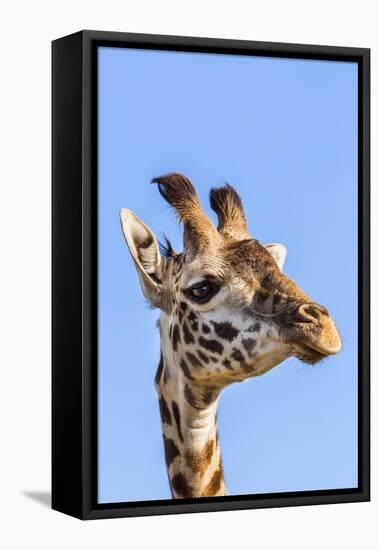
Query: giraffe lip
[
  {"x": 325, "y": 343},
  {"x": 313, "y": 341},
  {"x": 308, "y": 354}
]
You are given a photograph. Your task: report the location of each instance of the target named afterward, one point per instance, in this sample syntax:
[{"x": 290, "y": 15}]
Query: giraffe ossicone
[{"x": 227, "y": 313}]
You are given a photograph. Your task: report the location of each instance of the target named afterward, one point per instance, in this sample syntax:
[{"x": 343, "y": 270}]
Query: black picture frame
[{"x": 74, "y": 273}]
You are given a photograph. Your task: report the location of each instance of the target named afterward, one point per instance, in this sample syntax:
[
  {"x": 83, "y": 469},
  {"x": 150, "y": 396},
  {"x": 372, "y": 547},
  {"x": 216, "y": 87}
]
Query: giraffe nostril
[{"x": 311, "y": 313}]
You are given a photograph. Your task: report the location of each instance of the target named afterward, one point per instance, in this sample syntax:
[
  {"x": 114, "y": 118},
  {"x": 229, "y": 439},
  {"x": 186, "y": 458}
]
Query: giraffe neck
[{"x": 190, "y": 436}]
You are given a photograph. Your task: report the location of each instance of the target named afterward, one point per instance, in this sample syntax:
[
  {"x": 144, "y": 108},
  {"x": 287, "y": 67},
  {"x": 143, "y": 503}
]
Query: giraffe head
[{"x": 227, "y": 311}]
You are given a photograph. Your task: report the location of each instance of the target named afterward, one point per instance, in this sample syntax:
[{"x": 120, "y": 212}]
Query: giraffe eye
[{"x": 202, "y": 291}]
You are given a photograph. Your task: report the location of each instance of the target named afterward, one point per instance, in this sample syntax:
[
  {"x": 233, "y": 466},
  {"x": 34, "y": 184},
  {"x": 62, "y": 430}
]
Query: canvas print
[{"x": 227, "y": 268}]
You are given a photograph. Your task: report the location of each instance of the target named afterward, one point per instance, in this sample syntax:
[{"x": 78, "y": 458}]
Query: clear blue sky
[{"x": 284, "y": 133}]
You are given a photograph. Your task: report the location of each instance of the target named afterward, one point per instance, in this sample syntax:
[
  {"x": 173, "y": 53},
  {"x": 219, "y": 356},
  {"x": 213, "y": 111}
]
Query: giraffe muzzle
[{"x": 313, "y": 333}]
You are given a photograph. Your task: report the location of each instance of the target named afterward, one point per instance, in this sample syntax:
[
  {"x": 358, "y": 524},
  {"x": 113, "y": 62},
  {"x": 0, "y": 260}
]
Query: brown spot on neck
[
  {"x": 175, "y": 410},
  {"x": 186, "y": 369},
  {"x": 199, "y": 461},
  {"x": 171, "y": 450},
  {"x": 188, "y": 336},
  {"x": 165, "y": 411},
  {"x": 175, "y": 337},
  {"x": 160, "y": 370},
  {"x": 181, "y": 486},
  {"x": 214, "y": 486}
]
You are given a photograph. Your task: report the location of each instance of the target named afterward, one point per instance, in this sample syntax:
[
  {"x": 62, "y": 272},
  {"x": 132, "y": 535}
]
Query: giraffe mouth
[
  {"x": 313, "y": 336},
  {"x": 311, "y": 346},
  {"x": 307, "y": 354}
]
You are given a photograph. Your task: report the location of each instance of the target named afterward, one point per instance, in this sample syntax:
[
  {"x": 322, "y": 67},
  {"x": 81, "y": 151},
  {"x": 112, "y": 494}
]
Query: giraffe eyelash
[{"x": 202, "y": 291}]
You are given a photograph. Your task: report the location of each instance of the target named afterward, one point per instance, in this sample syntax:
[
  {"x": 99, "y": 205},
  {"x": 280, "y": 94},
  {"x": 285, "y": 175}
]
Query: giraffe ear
[
  {"x": 144, "y": 249},
  {"x": 278, "y": 252}
]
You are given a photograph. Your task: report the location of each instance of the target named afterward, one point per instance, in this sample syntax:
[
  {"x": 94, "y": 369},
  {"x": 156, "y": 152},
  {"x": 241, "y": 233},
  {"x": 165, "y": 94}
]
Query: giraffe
[{"x": 227, "y": 314}]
